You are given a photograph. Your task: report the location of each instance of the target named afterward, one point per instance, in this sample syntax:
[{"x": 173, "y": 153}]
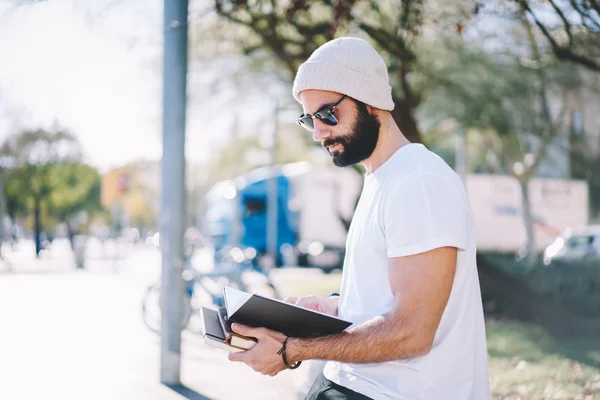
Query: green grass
[{"x": 525, "y": 361}]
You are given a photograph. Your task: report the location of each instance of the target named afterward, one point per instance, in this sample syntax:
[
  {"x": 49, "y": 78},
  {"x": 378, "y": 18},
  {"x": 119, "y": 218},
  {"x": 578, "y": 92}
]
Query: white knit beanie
[{"x": 349, "y": 66}]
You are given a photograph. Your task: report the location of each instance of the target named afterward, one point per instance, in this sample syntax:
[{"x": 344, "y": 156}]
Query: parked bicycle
[{"x": 233, "y": 267}]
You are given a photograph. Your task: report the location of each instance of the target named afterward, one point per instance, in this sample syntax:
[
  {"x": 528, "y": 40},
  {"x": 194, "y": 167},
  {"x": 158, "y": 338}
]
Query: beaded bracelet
[{"x": 285, "y": 362}]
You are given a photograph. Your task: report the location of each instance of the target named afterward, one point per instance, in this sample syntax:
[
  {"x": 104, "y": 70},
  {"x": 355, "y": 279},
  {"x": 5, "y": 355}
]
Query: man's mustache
[{"x": 331, "y": 142}]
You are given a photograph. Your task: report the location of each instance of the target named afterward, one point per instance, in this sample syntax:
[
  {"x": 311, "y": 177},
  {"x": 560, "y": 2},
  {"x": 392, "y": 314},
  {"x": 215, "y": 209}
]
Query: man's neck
[{"x": 390, "y": 140}]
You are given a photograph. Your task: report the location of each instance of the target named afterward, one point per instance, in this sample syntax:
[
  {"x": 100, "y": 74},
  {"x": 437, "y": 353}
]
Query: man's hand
[
  {"x": 325, "y": 305},
  {"x": 263, "y": 356}
]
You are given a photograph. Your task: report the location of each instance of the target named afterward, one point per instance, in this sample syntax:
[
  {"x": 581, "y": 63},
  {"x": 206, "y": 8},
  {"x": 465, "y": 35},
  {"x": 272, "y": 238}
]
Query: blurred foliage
[
  {"x": 44, "y": 178},
  {"x": 575, "y": 285},
  {"x": 76, "y": 195}
]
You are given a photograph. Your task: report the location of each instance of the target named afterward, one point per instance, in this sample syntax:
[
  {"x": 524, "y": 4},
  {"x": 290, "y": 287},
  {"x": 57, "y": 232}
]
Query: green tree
[
  {"x": 75, "y": 194},
  {"x": 29, "y": 158}
]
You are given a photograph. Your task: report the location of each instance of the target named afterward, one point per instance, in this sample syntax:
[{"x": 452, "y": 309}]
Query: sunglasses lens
[
  {"x": 306, "y": 122},
  {"x": 326, "y": 118},
  {"x": 330, "y": 120}
]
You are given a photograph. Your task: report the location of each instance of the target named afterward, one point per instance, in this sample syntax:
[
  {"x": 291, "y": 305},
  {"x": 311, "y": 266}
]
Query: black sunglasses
[{"x": 324, "y": 115}]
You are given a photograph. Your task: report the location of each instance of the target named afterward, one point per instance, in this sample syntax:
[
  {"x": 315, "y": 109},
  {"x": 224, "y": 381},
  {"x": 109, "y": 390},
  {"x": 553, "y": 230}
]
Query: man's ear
[
  {"x": 372, "y": 110},
  {"x": 377, "y": 112}
]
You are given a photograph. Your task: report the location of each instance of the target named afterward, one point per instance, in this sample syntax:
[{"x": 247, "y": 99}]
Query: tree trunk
[
  {"x": 406, "y": 121},
  {"x": 70, "y": 234},
  {"x": 37, "y": 226},
  {"x": 528, "y": 223}
]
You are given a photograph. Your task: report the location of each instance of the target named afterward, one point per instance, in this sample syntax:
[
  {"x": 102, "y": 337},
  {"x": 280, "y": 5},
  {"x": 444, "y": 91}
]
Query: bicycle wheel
[{"x": 152, "y": 313}]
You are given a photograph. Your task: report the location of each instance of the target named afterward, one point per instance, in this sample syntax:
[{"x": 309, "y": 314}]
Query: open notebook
[{"x": 260, "y": 311}]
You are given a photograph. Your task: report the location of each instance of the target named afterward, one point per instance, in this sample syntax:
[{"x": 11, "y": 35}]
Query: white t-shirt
[{"x": 413, "y": 203}]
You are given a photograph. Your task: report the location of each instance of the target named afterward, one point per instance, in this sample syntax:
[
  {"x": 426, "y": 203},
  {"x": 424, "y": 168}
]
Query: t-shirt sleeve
[{"x": 423, "y": 212}]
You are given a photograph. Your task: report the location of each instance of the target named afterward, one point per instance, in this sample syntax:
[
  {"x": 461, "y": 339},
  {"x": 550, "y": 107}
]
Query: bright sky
[
  {"x": 96, "y": 69},
  {"x": 57, "y": 66}
]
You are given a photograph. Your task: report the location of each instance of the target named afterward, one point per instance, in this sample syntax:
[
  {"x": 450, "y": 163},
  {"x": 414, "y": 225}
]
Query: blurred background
[{"x": 507, "y": 92}]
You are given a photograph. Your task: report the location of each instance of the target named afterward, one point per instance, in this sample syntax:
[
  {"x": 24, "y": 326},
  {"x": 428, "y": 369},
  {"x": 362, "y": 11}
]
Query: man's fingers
[
  {"x": 238, "y": 356},
  {"x": 303, "y": 302},
  {"x": 247, "y": 331},
  {"x": 292, "y": 300}
]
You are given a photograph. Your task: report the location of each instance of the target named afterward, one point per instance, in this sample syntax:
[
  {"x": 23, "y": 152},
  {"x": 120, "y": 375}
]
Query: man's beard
[{"x": 358, "y": 145}]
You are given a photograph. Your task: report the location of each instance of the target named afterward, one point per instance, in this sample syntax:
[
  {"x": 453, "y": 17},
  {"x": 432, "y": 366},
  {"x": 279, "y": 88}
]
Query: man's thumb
[{"x": 291, "y": 300}]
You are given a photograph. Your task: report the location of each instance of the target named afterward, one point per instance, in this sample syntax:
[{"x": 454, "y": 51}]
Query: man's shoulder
[
  {"x": 432, "y": 177},
  {"x": 418, "y": 161}
]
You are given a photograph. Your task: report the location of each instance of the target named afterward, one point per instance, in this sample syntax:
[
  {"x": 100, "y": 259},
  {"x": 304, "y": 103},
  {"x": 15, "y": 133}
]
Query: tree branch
[
  {"x": 566, "y": 23},
  {"x": 568, "y": 55},
  {"x": 229, "y": 16},
  {"x": 562, "y": 53},
  {"x": 320, "y": 28},
  {"x": 584, "y": 11}
]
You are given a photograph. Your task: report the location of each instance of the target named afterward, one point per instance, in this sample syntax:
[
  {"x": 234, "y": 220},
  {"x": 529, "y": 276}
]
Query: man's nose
[{"x": 321, "y": 131}]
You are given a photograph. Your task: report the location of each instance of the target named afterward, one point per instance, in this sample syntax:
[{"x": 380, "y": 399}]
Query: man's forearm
[{"x": 380, "y": 339}]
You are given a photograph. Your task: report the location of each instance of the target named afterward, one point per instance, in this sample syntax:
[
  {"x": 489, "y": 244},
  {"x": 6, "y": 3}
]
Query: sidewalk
[{"x": 78, "y": 335}]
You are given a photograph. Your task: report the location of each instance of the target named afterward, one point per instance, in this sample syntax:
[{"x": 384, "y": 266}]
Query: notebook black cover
[{"x": 259, "y": 311}]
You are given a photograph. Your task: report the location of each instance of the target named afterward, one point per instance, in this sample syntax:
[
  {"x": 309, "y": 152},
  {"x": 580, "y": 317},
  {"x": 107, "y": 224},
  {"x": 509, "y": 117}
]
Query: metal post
[
  {"x": 272, "y": 195},
  {"x": 173, "y": 187}
]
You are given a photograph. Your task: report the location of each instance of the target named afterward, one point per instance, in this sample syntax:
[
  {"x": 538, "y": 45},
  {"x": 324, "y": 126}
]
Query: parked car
[{"x": 575, "y": 244}]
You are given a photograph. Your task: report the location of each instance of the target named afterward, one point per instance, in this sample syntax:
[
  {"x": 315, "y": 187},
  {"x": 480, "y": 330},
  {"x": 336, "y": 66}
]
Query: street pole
[
  {"x": 172, "y": 214},
  {"x": 272, "y": 195}
]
